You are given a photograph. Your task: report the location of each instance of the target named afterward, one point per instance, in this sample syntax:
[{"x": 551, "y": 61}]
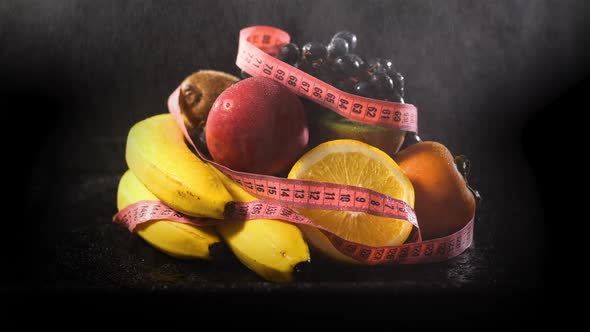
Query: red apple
[{"x": 257, "y": 125}]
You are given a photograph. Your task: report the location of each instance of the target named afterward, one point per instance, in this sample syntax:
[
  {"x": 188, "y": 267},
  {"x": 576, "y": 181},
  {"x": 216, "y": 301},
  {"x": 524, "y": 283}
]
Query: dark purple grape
[
  {"x": 338, "y": 65},
  {"x": 398, "y": 83},
  {"x": 373, "y": 65},
  {"x": 364, "y": 89},
  {"x": 349, "y": 37},
  {"x": 318, "y": 70},
  {"x": 387, "y": 65},
  {"x": 382, "y": 85},
  {"x": 289, "y": 53},
  {"x": 325, "y": 77},
  {"x": 346, "y": 85},
  {"x": 395, "y": 97},
  {"x": 314, "y": 51},
  {"x": 308, "y": 67},
  {"x": 346, "y": 66},
  {"x": 358, "y": 58},
  {"x": 324, "y": 73},
  {"x": 337, "y": 47},
  {"x": 362, "y": 73}
]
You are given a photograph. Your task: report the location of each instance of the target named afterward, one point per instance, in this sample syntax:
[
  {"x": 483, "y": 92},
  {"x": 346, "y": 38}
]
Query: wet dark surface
[{"x": 484, "y": 78}]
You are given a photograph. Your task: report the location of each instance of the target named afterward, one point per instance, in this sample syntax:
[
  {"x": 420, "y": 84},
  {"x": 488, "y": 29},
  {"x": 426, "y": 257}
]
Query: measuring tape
[
  {"x": 410, "y": 253},
  {"x": 280, "y": 195},
  {"x": 257, "y": 46}
]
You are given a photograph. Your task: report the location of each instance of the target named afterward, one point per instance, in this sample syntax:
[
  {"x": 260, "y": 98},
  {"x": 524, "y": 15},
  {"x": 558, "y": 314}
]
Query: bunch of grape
[{"x": 338, "y": 65}]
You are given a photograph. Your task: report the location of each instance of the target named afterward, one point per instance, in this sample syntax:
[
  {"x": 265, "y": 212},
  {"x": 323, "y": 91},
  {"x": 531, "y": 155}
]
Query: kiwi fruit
[{"x": 198, "y": 92}]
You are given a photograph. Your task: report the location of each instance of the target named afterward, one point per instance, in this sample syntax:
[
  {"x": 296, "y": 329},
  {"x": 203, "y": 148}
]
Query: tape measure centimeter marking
[
  {"x": 410, "y": 253},
  {"x": 323, "y": 195},
  {"x": 253, "y": 57},
  {"x": 143, "y": 211}
]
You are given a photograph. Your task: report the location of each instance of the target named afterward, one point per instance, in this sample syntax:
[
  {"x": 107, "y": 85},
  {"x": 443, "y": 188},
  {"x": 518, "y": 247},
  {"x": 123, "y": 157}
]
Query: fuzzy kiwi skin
[{"x": 198, "y": 93}]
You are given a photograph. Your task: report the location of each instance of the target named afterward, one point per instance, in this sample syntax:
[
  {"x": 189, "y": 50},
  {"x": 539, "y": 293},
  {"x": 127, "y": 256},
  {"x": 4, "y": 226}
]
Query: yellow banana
[
  {"x": 271, "y": 248},
  {"x": 159, "y": 157},
  {"x": 173, "y": 238}
]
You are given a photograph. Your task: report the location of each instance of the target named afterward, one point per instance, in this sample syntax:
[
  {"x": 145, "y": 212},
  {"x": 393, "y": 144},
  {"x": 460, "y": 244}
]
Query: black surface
[{"x": 78, "y": 74}]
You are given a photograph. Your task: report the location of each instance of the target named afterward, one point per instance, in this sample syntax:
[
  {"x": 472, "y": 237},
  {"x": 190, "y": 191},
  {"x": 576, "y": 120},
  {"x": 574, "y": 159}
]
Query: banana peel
[
  {"x": 175, "y": 239},
  {"x": 158, "y": 155},
  {"x": 273, "y": 249}
]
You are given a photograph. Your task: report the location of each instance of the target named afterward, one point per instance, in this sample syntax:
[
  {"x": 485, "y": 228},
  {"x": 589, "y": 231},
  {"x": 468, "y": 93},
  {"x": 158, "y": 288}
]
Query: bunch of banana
[
  {"x": 163, "y": 167},
  {"x": 176, "y": 239}
]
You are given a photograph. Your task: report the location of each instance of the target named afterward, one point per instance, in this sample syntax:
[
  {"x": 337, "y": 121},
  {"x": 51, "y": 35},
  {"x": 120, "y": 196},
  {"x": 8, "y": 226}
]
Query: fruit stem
[
  {"x": 464, "y": 167},
  {"x": 191, "y": 94},
  {"x": 219, "y": 251}
]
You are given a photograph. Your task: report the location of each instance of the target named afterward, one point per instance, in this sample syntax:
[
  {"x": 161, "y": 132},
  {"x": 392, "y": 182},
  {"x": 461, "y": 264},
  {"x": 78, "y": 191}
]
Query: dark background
[{"x": 489, "y": 78}]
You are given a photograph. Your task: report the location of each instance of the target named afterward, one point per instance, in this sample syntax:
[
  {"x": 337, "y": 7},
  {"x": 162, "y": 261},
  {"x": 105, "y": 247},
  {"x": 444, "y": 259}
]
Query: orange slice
[{"x": 359, "y": 164}]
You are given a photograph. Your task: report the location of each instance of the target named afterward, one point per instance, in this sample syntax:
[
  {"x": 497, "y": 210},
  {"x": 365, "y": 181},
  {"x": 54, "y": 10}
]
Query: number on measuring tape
[
  {"x": 305, "y": 86},
  {"x": 280, "y": 75},
  {"x": 343, "y": 105},
  {"x": 317, "y": 92},
  {"x": 267, "y": 69},
  {"x": 330, "y": 98},
  {"x": 357, "y": 108},
  {"x": 257, "y": 62}
]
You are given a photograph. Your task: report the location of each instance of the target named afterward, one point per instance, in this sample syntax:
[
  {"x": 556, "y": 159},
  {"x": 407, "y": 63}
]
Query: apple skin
[{"x": 258, "y": 126}]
